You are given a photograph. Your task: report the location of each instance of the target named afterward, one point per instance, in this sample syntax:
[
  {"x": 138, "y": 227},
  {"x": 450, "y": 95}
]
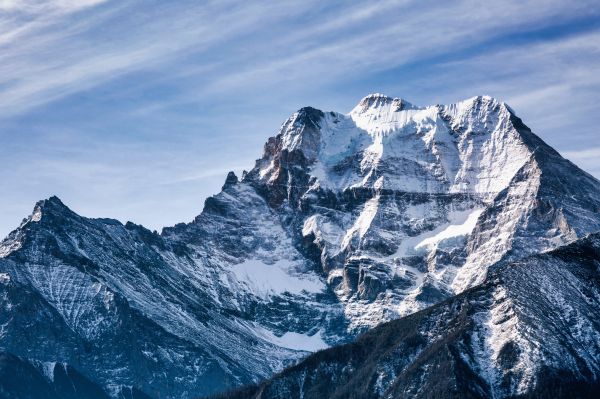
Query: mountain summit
[{"x": 346, "y": 221}]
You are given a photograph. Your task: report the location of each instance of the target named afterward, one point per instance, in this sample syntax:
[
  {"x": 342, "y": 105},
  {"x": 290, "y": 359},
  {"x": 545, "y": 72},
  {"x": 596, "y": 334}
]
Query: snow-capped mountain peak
[
  {"x": 409, "y": 175},
  {"x": 471, "y": 146},
  {"x": 378, "y": 101},
  {"x": 376, "y": 110},
  {"x": 51, "y": 208}
]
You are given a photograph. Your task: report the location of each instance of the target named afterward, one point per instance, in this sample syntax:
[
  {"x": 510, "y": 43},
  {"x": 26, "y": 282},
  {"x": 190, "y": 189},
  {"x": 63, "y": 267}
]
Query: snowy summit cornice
[{"x": 376, "y": 102}]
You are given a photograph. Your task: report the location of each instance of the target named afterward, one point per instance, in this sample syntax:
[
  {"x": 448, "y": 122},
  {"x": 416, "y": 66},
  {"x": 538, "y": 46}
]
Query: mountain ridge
[{"x": 345, "y": 222}]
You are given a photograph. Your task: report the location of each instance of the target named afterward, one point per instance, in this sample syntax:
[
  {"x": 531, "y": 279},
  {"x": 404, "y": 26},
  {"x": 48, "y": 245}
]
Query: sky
[{"x": 136, "y": 110}]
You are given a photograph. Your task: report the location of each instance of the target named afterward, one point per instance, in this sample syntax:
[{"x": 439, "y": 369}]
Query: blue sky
[{"x": 137, "y": 109}]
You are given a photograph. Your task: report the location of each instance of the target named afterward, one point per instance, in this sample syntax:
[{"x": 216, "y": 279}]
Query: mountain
[
  {"x": 530, "y": 329},
  {"x": 124, "y": 307},
  {"x": 403, "y": 206},
  {"x": 345, "y": 222}
]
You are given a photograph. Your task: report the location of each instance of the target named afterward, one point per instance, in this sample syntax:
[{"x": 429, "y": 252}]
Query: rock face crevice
[{"x": 345, "y": 222}]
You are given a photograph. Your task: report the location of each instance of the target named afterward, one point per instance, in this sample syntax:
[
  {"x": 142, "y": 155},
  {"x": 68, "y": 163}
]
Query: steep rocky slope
[
  {"x": 531, "y": 329},
  {"x": 125, "y": 307},
  {"x": 402, "y": 206},
  {"x": 345, "y": 222}
]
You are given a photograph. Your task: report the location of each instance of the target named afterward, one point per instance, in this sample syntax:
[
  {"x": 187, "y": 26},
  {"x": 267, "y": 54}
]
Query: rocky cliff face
[
  {"x": 345, "y": 222},
  {"x": 530, "y": 329},
  {"x": 402, "y": 206},
  {"x": 126, "y": 307}
]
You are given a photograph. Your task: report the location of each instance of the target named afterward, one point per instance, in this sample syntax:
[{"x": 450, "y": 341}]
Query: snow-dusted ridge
[{"x": 345, "y": 222}]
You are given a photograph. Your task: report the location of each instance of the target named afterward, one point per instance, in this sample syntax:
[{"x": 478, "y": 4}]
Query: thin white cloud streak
[
  {"x": 19, "y": 18},
  {"x": 206, "y": 173},
  {"x": 29, "y": 80},
  {"x": 289, "y": 60},
  {"x": 555, "y": 83},
  {"x": 43, "y": 6},
  {"x": 587, "y": 159},
  {"x": 589, "y": 153},
  {"x": 439, "y": 30}
]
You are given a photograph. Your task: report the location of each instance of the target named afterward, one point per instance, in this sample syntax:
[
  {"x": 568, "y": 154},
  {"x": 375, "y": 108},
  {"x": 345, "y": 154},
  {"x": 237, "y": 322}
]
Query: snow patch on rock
[
  {"x": 461, "y": 224},
  {"x": 265, "y": 280},
  {"x": 295, "y": 341}
]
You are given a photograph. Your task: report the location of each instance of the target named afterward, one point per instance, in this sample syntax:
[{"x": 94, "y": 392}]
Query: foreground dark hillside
[{"x": 530, "y": 331}]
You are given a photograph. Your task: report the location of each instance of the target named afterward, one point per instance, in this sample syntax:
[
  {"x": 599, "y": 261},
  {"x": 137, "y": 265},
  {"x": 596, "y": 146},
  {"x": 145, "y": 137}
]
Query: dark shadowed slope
[
  {"x": 22, "y": 379},
  {"x": 531, "y": 329}
]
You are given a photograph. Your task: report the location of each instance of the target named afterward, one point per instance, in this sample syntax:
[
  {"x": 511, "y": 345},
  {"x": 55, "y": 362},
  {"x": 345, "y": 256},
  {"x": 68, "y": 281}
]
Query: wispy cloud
[
  {"x": 51, "y": 64},
  {"x": 588, "y": 159},
  {"x": 148, "y": 103},
  {"x": 268, "y": 43},
  {"x": 589, "y": 153},
  {"x": 392, "y": 42},
  {"x": 42, "y": 6},
  {"x": 553, "y": 84}
]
